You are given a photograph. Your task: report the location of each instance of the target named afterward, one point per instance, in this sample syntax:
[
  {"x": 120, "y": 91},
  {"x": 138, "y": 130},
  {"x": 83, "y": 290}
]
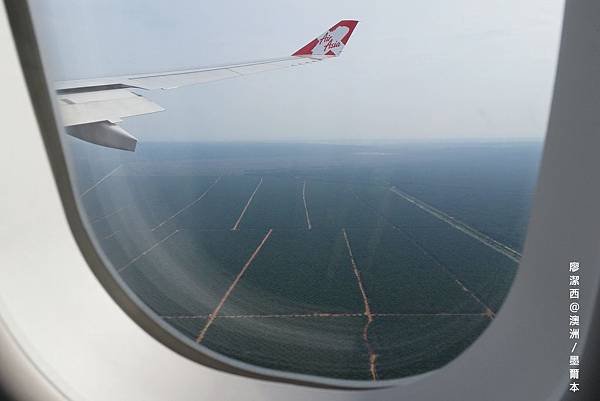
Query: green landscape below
[{"x": 339, "y": 261}]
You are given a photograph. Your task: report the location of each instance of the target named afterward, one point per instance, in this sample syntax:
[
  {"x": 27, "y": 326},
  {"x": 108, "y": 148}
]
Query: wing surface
[{"x": 92, "y": 108}]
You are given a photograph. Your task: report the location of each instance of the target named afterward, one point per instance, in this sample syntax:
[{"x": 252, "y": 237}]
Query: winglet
[{"x": 332, "y": 42}]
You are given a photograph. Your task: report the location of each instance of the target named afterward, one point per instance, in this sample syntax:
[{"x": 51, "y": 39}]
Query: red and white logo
[{"x": 332, "y": 42}]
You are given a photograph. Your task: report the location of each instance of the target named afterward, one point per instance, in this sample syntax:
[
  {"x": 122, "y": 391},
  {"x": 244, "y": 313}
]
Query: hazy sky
[{"x": 427, "y": 69}]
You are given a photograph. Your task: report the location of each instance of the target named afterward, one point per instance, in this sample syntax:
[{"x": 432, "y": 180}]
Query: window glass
[{"x": 357, "y": 215}]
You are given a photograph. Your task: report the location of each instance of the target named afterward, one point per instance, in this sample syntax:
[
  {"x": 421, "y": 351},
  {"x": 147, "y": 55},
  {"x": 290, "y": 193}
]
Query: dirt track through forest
[
  {"x": 305, "y": 206},
  {"x": 106, "y": 177},
  {"x": 147, "y": 251},
  {"x": 236, "y": 226},
  {"x": 367, "y": 313},
  {"x": 216, "y": 311},
  {"x": 183, "y": 209}
]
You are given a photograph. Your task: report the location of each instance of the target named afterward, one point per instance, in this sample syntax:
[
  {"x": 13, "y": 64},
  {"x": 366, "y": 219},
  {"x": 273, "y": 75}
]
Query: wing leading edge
[{"x": 92, "y": 108}]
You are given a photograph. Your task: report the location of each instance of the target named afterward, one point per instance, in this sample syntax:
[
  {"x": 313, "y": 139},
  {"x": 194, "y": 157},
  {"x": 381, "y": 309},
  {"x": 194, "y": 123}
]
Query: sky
[{"x": 413, "y": 70}]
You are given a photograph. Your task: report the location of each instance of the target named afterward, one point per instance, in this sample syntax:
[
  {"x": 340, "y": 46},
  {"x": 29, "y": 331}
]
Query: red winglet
[{"x": 330, "y": 43}]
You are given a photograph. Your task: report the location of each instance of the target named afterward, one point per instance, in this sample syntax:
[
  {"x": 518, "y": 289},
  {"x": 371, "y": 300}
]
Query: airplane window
[{"x": 340, "y": 194}]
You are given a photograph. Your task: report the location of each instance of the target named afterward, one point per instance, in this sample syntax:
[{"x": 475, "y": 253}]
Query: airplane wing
[{"x": 92, "y": 108}]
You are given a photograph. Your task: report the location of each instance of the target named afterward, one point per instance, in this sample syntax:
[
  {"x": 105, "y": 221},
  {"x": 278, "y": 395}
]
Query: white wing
[{"x": 92, "y": 108}]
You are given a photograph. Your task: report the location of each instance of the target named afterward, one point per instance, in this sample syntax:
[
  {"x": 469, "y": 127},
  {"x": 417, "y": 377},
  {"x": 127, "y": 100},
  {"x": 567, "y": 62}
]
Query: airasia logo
[
  {"x": 328, "y": 43},
  {"x": 331, "y": 41}
]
